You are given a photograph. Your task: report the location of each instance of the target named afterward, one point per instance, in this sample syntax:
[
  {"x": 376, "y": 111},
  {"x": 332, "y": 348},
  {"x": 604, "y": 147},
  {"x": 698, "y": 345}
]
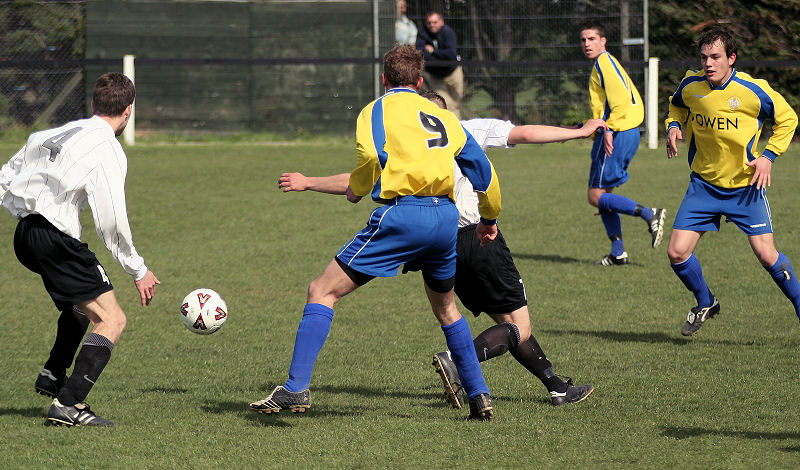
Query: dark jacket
[{"x": 445, "y": 48}]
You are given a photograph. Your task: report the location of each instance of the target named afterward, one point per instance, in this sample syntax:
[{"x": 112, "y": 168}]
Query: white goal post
[
  {"x": 129, "y": 134},
  {"x": 651, "y": 113}
]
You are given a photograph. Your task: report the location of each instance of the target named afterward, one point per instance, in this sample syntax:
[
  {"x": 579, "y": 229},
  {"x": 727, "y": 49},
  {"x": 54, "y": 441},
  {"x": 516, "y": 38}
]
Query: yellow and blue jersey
[
  {"x": 406, "y": 146},
  {"x": 612, "y": 95},
  {"x": 723, "y": 123}
]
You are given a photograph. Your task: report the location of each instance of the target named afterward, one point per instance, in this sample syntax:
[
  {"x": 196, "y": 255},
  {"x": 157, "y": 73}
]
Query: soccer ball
[{"x": 203, "y": 311}]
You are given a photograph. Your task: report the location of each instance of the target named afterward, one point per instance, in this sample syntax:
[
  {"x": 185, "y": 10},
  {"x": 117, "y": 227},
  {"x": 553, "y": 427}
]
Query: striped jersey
[
  {"x": 488, "y": 133},
  {"x": 723, "y": 123},
  {"x": 406, "y": 145},
  {"x": 59, "y": 170},
  {"x": 612, "y": 95}
]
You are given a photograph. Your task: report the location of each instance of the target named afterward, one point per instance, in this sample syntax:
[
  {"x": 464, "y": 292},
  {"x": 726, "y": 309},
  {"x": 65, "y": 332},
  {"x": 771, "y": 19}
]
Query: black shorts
[
  {"x": 487, "y": 279},
  {"x": 69, "y": 269}
]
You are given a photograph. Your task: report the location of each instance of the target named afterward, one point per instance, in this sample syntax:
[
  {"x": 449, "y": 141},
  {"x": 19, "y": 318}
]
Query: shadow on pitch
[
  {"x": 559, "y": 259},
  {"x": 679, "y": 432},
  {"x": 29, "y": 412},
  {"x": 164, "y": 390},
  {"x": 550, "y": 258},
  {"x": 241, "y": 410},
  {"x": 643, "y": 337},
  {"x": 371, "y": 392}
]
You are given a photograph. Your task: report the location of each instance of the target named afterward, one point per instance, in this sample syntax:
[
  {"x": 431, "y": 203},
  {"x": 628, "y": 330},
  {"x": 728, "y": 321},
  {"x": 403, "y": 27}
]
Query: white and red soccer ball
[{"x": 203, "y": 311}]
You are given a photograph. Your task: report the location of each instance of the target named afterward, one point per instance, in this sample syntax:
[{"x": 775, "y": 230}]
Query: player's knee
[
  {"x": 677, "y": 254},
  {"x": 514, "y": 335},
  {"x": 319, "y": 292},
  {"x": 767, "y": 258}
]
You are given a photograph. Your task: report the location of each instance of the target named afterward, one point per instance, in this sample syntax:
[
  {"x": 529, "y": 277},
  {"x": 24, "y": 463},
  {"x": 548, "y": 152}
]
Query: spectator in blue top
[{"x": 437, "y": 41}]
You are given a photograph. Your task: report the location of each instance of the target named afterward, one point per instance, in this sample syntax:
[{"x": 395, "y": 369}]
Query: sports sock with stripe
[
  {"x": 91, "y": 360},
  {"x": 462, "y": 349},
  {"x": 496, "y": 340},
  {"x": 782, "y": 273},
  {"x": 311, "y": 335}
]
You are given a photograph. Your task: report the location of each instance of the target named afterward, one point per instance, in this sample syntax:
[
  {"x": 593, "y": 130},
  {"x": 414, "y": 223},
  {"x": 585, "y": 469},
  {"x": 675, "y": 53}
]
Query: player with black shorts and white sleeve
[
  {"x": 46, "y": 185},
  {"x": 487, "y": 280}
]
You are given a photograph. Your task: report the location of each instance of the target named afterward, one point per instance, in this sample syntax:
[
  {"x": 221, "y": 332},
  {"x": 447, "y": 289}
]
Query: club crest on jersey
[{"x": 734, "y": 102}]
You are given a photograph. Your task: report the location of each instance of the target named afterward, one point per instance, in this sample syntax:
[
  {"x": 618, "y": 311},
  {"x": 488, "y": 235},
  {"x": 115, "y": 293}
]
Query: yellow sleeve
[
  {"x": 785, "y": 123},
  {"x": 620, "y": 94},
  {"x": 678, "y": 110},
  {"x": 489, "y": 201},
  {"x": 368, "y": 168}
]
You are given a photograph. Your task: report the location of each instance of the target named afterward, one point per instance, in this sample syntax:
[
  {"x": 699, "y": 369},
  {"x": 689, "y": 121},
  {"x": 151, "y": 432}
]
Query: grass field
[{"x": 210, "y": 215}]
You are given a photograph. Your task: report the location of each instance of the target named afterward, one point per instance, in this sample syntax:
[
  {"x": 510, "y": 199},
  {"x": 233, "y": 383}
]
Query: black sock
[
  {"x": 531, "y": 356},
  {"x": 91, "y": 360},
  {"x": 71, "y": 328},
  {"x": 496, "y": 340}
]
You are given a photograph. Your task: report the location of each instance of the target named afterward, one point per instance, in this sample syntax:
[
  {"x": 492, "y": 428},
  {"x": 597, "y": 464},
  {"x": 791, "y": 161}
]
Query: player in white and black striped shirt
[{"x": 46, "y": 185}]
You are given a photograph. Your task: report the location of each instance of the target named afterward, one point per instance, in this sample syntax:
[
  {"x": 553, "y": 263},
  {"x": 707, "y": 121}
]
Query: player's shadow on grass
[
  {"x": 164, "y": 390},
  {"x": 550, "y": 258},
  {"x": 680, "y": 432},
  {"x": 371, "y": 392},
  {"x": 242, "y": 410},
  {"x": 30, "y": 412},
  {"x": 642, "y": 337}
]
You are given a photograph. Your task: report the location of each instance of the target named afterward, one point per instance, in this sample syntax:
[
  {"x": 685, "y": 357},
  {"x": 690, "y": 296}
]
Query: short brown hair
[
  {"x": 718, "y": 33},
  {"x": 595, "y": 25},
  {"x": 113, "y": 93},
  {"x": 402, "y": 66},
  {"x": 434, "y": 98}
]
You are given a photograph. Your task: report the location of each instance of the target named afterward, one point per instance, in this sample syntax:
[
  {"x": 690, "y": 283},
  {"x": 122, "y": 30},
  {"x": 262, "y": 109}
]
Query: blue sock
[
  {"x": 311, "y": 335},
  {"x": 459, "y": 342},
  {"x": 610, "y": 202},
  {"x": 782, "y": 273},
  {"x": 613, "y": 226},
  {"x": 691, "y": 274}
]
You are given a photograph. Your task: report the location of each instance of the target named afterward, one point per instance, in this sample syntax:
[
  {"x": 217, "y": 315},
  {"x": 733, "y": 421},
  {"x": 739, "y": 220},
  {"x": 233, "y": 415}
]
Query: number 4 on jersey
[{"x": 56, "y": 143}]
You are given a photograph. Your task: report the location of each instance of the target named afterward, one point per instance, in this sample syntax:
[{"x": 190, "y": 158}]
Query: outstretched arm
[
  {"x": 539, "y": 134},
  {"x": 334, "y": 184}
]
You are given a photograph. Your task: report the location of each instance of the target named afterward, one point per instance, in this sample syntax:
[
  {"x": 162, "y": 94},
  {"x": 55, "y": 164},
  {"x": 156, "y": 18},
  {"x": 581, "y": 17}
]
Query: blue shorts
[
  {"x": 409, "y": 229},
  {"x": 611, "y": 171},
  {"x": 704, "y": 204}
]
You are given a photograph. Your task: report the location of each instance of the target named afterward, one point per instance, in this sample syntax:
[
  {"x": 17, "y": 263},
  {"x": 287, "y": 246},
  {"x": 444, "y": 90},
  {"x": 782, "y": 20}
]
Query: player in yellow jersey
[
  {"x": 721, "y": 112},
  {"x": 614, "y": 98},
  {"x": 406, "y": 149}
]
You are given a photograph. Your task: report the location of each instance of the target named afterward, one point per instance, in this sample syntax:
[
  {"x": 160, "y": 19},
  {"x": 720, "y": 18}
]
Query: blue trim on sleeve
[
  {"x": 692, "y": 151},
  {"x": 749, "y": 148},
  {"x": 677, "y": 98},
  {"x": 378, "y": 132},
  {"x": 488, "y": 222},
  {"x": 600, "y": 72},
  {"x": 613, "y": 64},
  {"x": 673, "y": 124},
  {"x": 769, "y": 154},
  {"x": 767, "y": 108},
  {"x": 473, "y": 163}
]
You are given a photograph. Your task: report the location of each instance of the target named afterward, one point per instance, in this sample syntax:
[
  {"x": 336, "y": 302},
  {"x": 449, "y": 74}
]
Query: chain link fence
[
  {"x": 42, "y": 45},
  {"x": 292, "y": 67}
]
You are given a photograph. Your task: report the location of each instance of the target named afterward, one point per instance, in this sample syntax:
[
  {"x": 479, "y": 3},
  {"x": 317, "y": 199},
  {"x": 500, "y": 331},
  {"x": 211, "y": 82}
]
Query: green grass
[{"x": 210, "y": 215}]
